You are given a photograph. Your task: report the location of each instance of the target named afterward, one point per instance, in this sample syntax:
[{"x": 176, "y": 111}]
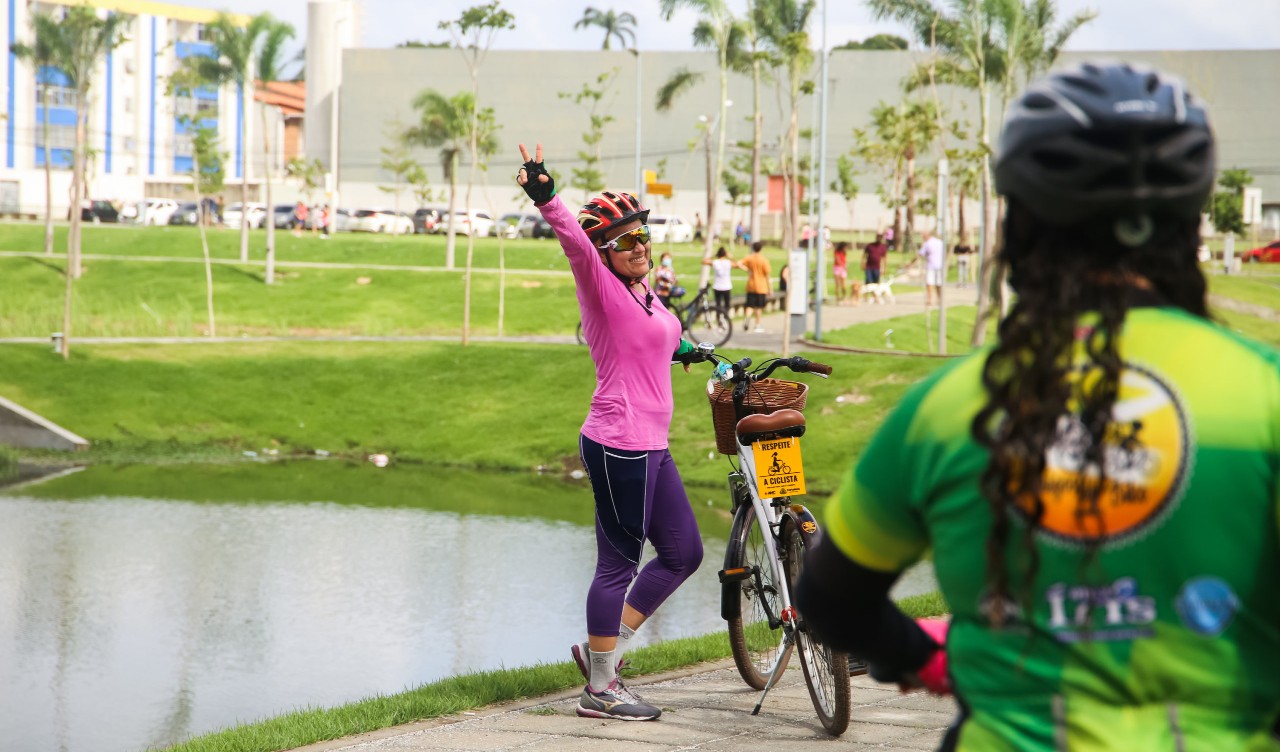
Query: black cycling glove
[{"x": 537, "y": 190}]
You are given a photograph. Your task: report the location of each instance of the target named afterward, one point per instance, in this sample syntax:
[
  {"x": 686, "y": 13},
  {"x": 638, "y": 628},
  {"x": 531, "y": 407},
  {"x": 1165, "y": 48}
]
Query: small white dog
[{"x": 879, "y": 291}]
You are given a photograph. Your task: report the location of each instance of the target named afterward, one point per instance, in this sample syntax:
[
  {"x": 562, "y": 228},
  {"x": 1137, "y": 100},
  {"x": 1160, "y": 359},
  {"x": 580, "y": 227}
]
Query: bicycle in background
[
  {"x": 701, "y": 319},
  {"x": 759, "y": 421}
]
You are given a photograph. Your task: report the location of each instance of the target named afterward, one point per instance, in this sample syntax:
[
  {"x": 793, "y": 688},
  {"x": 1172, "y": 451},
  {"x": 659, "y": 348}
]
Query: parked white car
[
  {"x": 669, "y": 228},
  {"x": 257, "y": 214},
  {"x": 381, "y": 220},
  {"x": 481, "y": 221},
  {"x": 157, "y": 211}
]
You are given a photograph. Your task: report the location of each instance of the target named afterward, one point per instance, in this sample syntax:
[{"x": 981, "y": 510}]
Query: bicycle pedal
[{"x": 736, "y": 574}]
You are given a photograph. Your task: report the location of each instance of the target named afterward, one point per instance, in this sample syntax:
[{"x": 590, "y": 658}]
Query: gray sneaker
[
  {"x": 582, "y": 656},
  {"x": 616, "y": 702}
]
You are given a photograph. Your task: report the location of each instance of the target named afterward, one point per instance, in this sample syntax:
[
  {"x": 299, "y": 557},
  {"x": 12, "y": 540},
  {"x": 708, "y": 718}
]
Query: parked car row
[{"x": 426, "y": 220}]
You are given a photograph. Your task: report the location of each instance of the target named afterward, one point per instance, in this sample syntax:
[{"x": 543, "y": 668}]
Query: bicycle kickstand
[{"x": 788, "y": 640}]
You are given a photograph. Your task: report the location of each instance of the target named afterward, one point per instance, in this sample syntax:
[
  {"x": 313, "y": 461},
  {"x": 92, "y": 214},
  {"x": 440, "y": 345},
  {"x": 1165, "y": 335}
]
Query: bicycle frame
[{"x": 770, "y": 518}]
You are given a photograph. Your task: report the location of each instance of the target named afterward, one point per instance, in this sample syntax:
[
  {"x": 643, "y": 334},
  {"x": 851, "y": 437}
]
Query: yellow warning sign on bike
[{"x": 779, "y": 470}]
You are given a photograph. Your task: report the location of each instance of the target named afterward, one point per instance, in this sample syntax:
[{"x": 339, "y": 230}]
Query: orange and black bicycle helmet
[{"x": 607, "y": 210}]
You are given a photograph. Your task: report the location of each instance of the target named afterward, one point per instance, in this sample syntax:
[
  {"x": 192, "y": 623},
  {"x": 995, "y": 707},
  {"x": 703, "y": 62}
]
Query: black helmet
[{"x": 1107, "y": 139}]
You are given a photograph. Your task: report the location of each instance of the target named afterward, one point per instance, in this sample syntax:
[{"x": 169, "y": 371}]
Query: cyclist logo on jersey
[{"x": 1145, "y": 455}]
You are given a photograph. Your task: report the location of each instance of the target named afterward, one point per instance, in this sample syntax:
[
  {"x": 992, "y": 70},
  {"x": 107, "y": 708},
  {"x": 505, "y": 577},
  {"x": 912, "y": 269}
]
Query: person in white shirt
[
  {"x": 721, "y": 283},
  {"x": 934, "y": 254}
]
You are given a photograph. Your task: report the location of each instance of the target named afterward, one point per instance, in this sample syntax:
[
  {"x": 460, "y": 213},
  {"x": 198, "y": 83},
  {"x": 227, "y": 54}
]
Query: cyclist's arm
[
  {"x": 582, "y": 255},
  {"x": 874, "y": 529},
  {"x": 847, "y": 606}
]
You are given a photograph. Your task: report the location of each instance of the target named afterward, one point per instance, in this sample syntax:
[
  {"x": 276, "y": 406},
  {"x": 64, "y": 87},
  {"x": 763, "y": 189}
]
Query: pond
[{"x": 142, "y": 605}]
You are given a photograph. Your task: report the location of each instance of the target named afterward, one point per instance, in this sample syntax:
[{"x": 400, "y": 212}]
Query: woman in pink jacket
[{"x": 638, "y": 492}]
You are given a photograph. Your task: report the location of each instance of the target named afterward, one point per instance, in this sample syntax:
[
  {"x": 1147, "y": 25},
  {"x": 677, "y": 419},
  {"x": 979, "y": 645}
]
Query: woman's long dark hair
[{"x": 1060, "y": 274}]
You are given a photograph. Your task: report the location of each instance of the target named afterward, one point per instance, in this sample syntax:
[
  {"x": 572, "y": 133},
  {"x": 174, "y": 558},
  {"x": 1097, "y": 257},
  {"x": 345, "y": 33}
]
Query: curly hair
[{"x": 1033, "y": 381}]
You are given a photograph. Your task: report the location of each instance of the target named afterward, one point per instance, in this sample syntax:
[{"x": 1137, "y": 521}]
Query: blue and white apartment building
[{"x": 139, "y": 145}]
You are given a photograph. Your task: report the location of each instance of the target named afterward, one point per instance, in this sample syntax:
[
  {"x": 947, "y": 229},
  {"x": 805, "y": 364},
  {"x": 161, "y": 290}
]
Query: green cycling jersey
[{"x": 1168, "y": 635}]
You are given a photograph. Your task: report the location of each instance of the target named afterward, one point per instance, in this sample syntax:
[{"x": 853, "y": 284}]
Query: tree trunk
[
  {"x": 757, "y": 138},
  {"x": 471, "y": 229},
  {"x": 502, "y": 281},
  {"x": 77, "y": 185},
  {"x": 451, "y": 241},
  {"x": 204, "y": 242},
  {"x": 244, "y": 209},
  {"x": 897, "y": 205},
  {"x": 244, "y": 171},
  {"x": 908, "y": 230},
  {"x": 48, "y": 177}
]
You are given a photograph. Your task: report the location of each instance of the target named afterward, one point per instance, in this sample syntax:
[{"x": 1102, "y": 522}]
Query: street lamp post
[
  {"x": 822, "y": 181},
  {"x": 639, "y": 167}
]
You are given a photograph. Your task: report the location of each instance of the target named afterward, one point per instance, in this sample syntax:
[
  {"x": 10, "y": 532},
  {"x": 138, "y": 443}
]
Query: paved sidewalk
[{"x": 704, "y": 708}]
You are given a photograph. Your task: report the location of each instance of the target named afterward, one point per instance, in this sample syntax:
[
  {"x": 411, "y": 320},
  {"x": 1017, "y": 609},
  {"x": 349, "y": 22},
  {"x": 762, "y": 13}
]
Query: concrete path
[
  {"x": 770, "y": 340},
  {"x": 704, "y": 708}
]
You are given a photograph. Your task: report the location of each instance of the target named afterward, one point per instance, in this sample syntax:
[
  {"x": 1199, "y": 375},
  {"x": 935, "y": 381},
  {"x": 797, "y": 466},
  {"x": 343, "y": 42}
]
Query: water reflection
[{"x": 139, "y": 606}]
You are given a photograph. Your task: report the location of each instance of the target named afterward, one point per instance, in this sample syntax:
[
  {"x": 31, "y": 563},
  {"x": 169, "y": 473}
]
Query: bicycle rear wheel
[
  {"x": 710, "y": 324},
  {"x": 826, "y": 671},
  {"x": 756, "y": 646}
]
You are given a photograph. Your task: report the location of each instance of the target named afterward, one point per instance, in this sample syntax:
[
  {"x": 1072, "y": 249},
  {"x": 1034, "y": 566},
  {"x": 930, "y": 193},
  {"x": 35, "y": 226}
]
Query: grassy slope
[{"x": 486, "y": 406}]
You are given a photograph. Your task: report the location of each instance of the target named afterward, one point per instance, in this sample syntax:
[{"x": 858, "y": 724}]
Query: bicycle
[
  {"x": 701, "y": 320},
  {"x": 755, "y": 415}
]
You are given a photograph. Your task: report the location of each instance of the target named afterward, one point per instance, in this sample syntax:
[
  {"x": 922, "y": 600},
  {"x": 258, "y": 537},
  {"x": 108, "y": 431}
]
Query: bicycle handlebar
[{"x": 740, "y": 370}]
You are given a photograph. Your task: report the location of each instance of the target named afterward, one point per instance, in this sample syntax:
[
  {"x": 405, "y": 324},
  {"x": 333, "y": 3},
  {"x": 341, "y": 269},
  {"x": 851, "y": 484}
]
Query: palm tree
[
  {"x": 714, "y": 30},
  {"x": 42, "y": 54},
  {"x": 966, "y": 41},
  {"x": 615, "y": 24},
  {"x": 750, "y": 57},
  {"x": 783, "y": 25},
  {"x": 270, "y": 68},
  {"x": 236, "y": 47},
  {"x": 444, "y": 122},
  {"x": 76, "y": 46}
]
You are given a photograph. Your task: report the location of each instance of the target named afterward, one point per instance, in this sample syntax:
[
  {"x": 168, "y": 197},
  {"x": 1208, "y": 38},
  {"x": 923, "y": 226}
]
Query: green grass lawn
[
  {"x": 1258, "y": 289},
  {"x": 909, "y": 332},
  {"x": 141, "y": 299},
  {"x": 484, "y": 406}
]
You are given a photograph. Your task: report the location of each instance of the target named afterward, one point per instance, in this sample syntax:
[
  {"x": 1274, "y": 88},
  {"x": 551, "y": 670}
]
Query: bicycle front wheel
[
  {"x": 755, "y": 644},
  {"x": 710, "y": 324},
  {"x": 826, "y": 671}
]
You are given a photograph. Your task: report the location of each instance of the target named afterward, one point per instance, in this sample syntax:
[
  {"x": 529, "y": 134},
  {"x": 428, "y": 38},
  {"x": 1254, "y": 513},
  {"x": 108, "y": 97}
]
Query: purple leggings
[{"x": 639, "y": 497}]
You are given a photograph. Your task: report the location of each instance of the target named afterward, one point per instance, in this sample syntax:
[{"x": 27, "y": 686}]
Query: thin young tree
[
  {"x": 208, "y": 170},
  {"x": 42, "y": 54},
  {"x": 80, "y": 44},
  {"x": 473, "y": 33},
  {"x": 621, "y": 26}
]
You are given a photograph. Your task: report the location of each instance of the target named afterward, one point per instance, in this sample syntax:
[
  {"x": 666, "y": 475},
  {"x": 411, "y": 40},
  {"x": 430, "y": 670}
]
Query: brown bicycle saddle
[{"x": 783, "y": 423}]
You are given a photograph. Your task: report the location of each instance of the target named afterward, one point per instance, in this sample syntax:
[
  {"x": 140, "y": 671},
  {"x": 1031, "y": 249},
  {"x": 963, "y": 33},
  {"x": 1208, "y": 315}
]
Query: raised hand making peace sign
[{"x": 534, "y": 178}]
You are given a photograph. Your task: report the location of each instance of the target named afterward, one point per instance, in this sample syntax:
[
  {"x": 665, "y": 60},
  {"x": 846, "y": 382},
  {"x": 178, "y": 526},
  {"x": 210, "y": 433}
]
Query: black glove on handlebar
[{"x": 537, "y": 190}]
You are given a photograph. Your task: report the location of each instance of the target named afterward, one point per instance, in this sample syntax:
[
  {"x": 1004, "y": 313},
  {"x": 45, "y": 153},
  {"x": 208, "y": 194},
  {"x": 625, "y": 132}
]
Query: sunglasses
[{"x": 627, "y": 242}]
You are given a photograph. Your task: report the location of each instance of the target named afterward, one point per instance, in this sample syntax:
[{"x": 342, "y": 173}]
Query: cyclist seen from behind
[
  {"x": 638, "y": 492},
  {"x": 1099, "y": 490}
]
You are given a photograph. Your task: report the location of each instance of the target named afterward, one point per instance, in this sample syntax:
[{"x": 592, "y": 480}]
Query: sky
[{"x": 548, "y": 24}]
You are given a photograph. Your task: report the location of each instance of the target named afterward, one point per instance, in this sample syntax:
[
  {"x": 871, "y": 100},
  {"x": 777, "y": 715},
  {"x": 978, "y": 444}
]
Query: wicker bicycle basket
[{"x": 764, "y": 396}]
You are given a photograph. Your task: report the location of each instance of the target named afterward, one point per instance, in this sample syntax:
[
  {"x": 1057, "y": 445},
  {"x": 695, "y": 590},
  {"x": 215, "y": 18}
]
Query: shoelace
[{"x": 621, "y": 691}]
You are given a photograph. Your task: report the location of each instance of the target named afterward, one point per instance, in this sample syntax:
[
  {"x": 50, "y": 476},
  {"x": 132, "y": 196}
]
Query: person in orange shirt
[{"x": 759, "y": 284}]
